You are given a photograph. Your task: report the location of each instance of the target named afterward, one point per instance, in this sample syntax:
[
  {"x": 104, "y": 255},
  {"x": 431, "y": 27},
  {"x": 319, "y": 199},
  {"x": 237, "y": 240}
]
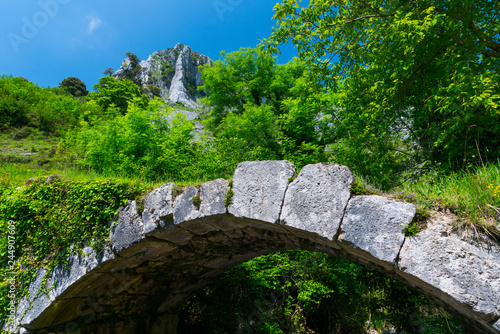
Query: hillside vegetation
[{"x": 406, "y": 95}]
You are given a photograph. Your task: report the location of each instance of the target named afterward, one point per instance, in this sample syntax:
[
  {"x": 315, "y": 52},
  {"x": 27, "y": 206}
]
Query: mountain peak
[{"x": 171, "y": 74}]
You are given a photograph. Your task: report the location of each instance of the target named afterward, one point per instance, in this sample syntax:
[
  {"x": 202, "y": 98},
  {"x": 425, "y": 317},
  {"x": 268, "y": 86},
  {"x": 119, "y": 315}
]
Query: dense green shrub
[{"x": 23, "y": 103}]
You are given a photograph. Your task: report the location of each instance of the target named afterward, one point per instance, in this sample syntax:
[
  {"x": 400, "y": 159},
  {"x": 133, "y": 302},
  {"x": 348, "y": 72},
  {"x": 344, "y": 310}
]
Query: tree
[
  {"x": 263, "y": 110},
  {"x": 132, "y": 69},
  {"x": 74, "y": 86},
  {"x": 110, "y": 91},
  {"x": 109, "y": 71},
  {"x": 414, "y": 84},
  {"x": 247, "y": 77},
  {"x": 239, "y": 78}
]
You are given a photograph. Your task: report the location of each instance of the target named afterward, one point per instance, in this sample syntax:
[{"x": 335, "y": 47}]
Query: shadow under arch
[{"x": 140, "y": 284}]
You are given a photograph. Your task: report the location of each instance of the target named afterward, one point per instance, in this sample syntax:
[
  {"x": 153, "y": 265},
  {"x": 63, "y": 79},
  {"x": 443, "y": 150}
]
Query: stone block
[
  {"x": 213, "y": 195},
  {"x": 470, "y": 274},
  {"x": 129, "y": 229},
  {"x": 259, "y": 188},
  {"x": 184, "y": 208},
  {"x": 374, "y": 224},
  {"x": 315, "y": 201},
  {"x": 158, "y": 209}
]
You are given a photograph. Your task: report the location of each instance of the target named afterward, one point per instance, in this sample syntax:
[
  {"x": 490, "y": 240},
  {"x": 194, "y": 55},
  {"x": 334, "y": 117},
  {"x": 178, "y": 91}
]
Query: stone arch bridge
[{"x": 178, "y": 244}]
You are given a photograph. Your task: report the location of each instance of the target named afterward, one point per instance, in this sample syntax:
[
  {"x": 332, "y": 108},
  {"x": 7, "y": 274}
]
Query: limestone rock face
[
  {"x": 158, "y": 208},
  {"x": 469, "y": 273},
  {"x": 259, "y": 188},
  {"x": 63, "y": 276},
  {"x": 129, "y": 230},
  {"x": 212, "y": 195},
  {"x": 374, "y": 224},
  {"x": 184, "y": 208},
  {"x": 315, "y": 201},
  {"x": 174, "y": 71}
]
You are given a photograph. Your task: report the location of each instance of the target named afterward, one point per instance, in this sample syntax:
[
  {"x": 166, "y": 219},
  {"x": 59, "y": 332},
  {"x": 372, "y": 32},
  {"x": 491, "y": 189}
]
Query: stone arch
[{"x": 156, "y": 258}]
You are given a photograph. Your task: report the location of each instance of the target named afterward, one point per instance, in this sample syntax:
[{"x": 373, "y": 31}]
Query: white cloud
[{"x": 94, "y": 24}]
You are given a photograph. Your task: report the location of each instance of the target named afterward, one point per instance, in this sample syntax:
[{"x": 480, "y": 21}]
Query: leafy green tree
[
  {"x": 258, "y": 109},
  {"x": 246, "y": 77},
  {"x": 151, "y": 143},
  {"x": 110, "y": 91},
  {"x": 74, "y": 86},
  {"x": 415, "y": 84},
  {"x": 250, "y": 136},
  {"x": 239, "y": 78}
]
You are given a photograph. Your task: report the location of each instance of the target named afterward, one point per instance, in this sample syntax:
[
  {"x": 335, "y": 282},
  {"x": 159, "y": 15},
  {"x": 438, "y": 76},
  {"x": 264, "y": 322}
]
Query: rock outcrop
[
  {"x": 173, "y": 73},
  {"x": 155, "y": 261}
]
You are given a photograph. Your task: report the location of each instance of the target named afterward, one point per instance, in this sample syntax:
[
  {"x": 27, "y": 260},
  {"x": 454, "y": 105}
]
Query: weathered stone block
[
  {"x": 259, "y": 188},
  {"x": 129, "y": 230},
  {"x": 184, "y": 208},
  {"x": 315, "y": 201},
  {"x": 374, "y": 225},
  {"x": 212, "y": 195},
  {"x": 158, "y": 209},
  {"x": 470, "y": 274}
]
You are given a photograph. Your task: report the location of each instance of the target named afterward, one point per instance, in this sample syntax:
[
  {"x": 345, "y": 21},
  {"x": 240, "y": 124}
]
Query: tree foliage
[
  {"x": 131, "y": 69},
  {"x": 247, "y": 77},
  {"x": 413, "y": 84},
  {"x": 258, "y": 109},
  {"x": 147, "y": 142},
  {"x": 74, "y": 86},
  {"x": 306, "y": 292},
  {"x": 110, "y": 91},
  {"x": 23, "y": 103}
]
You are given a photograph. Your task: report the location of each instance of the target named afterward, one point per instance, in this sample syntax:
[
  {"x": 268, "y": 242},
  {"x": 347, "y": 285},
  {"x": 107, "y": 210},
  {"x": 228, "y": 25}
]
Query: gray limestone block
[
  {"x": 213, "y": 195},
  {"x": 129, "y": 229},
  {"x": 374, "y": 225},
  {"x": 158, "y": 208},
  {"x": 315, "y": 201},
  {"x": 469, "y": 273},
  {"x": 259, "y": 188},
  {"x": 184, "y": 208}
]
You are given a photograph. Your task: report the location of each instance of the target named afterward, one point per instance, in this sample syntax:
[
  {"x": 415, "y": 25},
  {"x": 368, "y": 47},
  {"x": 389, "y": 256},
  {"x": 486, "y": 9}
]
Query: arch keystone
[{"x": 259, "y": 188}]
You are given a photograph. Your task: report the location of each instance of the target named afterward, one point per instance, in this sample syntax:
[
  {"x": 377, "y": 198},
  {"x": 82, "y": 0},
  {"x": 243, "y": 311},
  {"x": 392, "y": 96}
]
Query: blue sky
[{"x": 46, "y": 41}]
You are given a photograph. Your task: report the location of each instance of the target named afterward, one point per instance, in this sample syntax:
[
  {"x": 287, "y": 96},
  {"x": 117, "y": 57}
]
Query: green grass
[
  {"x": 28, "y": 146},
  {"x": 474, "y": 196}
]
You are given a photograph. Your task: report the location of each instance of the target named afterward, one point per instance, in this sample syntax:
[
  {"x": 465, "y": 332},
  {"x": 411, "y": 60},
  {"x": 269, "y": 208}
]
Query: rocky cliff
[{"x": 172, "y": 74}]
